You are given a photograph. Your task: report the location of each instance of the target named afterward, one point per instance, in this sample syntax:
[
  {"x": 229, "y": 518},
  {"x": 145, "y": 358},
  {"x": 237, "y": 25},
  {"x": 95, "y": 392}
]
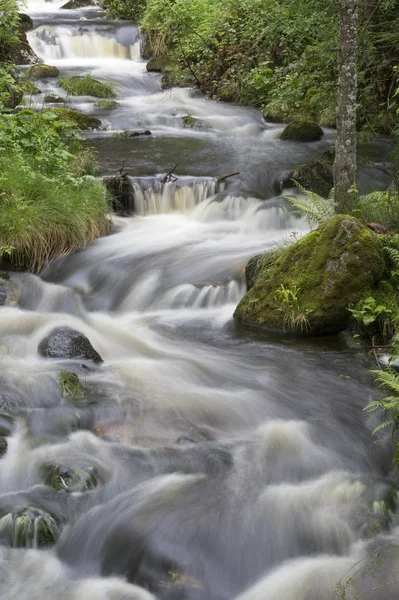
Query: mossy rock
[
  {"x": 25, "y": 22},
  {"x": 85, "y": 85},
  {"x": 316, "y": 177},
  {"x": 29, "y": 527},
  {"x": 52, "y": 99},
  {"x": 77, "y": 119},
  {"x": 61, "y": 478},
  {"x": 190, "y": 122},
  {"x": 258, "y": 262},
  {"x": 302, "y": 131},
  {"x": 74, "y": 4},
  {"x": 41, "y": 71},
  {"x": 107, "y": 104},
  {"x": 157, "y": 64},
  {"x": 336, "y": 265}
]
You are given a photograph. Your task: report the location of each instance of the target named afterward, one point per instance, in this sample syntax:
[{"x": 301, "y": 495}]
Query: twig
[
  {"x": 169, "y": 175},
  {"x": 220, "y": 179}
]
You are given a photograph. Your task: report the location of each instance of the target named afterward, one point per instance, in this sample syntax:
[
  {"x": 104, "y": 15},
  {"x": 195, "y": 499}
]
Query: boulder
[
  {"x": 78, "y": 119},
  {"x": 107, "y": 104},
  {"x": 65, "y": 342},
  {"x": 40, "y": 71},
  {"x": 28, "y": 527},
  {"x": 52, "y": 99},
  {"x": 308, "y": 287},
  {"x": 302, "y": 131},
  {"x": 316, "y": 177},
  {"x": 25, "y": 22}
]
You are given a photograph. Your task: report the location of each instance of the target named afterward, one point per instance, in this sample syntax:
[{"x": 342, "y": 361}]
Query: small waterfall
[
  {"x": 152, "y": 196},
  {"x": 53, "y": 43}
]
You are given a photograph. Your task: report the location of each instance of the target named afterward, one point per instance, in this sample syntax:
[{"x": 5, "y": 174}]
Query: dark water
[{"x": 229, "y": 464}]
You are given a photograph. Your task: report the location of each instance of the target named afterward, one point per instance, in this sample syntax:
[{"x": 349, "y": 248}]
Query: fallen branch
[
  {"x": 220, "y": 179},
  {"x": 169, "y": 176}
]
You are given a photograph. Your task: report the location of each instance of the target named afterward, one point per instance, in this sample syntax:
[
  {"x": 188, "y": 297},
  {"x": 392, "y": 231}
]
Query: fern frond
[
  {"x": 314, "y": 208},
  {"x": 382, "y": 426}
]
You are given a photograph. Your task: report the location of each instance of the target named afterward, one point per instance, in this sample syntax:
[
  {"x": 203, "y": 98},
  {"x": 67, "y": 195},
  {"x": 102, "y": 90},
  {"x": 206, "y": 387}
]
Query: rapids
[{"x": 230, "y": 465}]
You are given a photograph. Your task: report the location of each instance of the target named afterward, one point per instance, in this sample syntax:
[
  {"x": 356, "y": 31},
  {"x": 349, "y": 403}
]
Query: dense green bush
[
  {"x": 49, "y": 206},
  {"x": 122, "y": 9}
]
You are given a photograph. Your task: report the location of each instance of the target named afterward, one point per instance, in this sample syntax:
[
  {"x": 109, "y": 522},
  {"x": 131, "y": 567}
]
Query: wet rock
[
  {"x": 3, "y": 446},
  {"x": 41, "y": 71},
  {"x": 190, "y": 122},
  {"x": 77, "y": 119},
  {"x": 122, "y": 193},
  {"x": 308, "y": 287},
  {"x": 302, "y": 131},
  {"x": 65, "y": 342},
  {"x": 52, "y": 99},
  {"x": 6, "y": 425},
  {"x": 29, "y": 528},
  {"x": 107, "y": 104},
  {"x": 25, "y": 22},
  {"x": 61, "y": 478},
  {"x": 378, "y": 228},
  {"x": 142, "y": 133},
  {"x": 73, "y": 4},
  {"x": 316, "y": 177},
  {"x": 9, "y": 291},
  {"x": 157, "y": 64}
]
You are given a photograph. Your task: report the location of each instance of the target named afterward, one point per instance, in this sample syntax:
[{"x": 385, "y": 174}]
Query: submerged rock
[
  {"x": 316, "y": 177},
  {"x": 308, "y": 287},
  {"x": 41, "y": 71},
  {"x": 65, "y": 342},
  {"x": 302, "y": 131},
  {"x": 29, "y": 528},
  {"x": 3, "y": 446},
  {"x": 61, "y": 478},
  {"x": 121, "y": 190}
]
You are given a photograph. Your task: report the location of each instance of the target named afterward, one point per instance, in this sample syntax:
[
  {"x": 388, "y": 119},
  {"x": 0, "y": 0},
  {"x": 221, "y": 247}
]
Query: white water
[{"x": 237, "y": 461}]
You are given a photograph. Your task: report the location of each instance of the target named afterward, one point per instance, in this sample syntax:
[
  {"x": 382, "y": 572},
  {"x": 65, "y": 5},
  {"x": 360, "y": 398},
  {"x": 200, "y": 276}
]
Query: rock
[
  {"x": 78, "y": 119},
  {"x": 316, "y": 177},
  {"x": 61, "y": 478},
  {"x": 257, "y": 262},
  {"x": 121, "y": 190},
  {"x": 6, "y": 425},
  {"x": 73, "y": 4},
  {"x": 29, "y": 527},
  {"x": 65, "y": 342},
  {"x": 157, "y": 64},
  {"x": 139, "y": 133},
  {"x": 302, "y": 131},
  {"x": 107, "y": 104},
  {"x": 40, "y": 71},
  {"x": 52, "y": 99},
  {"x": 3, "y": 446},
  {"x": 25, "y": 22},
  {"x": 307, "y": 288},
  {"x": 378, "y": 228},
  {"x": 190, "y": 122},
  {"x": 9, "y": 292}
]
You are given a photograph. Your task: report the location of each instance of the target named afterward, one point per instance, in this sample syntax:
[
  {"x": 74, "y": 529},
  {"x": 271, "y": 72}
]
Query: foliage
[
  {"x": 369, "y": 311},
  {"x": 70, "y": 385},
  {"x": 380, "y": 207},
  {"x": 124, "y": 9},
  {"x": 48, "y": 205},
  {"x": 86, "y": 86},
  {"x": 312, "y": 207},
  {"x": 294, "y": 318},
  {"x": 280, "y": 56},
  {"x": 8, "y": 27},
  {"x": 11, "y": 90}
]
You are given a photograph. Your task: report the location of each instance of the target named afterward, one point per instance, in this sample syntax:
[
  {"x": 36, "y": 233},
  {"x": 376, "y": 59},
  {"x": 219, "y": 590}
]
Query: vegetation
[
  {"x": 120, "y": 9},
  {"x": 86, "y": 86},
  {"x": 49, "y": 206}
]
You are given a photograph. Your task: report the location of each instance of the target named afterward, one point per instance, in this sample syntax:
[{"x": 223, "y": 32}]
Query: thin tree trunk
[{"x": 345, "y": 146}]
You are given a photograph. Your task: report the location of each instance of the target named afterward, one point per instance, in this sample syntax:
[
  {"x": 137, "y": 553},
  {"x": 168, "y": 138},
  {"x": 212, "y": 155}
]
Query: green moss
[
  {"x": 77, "y": 85},
  {"x": 40, "y": 71},
  {"x": 77, "y": 119},
  {"x": 302, "y": 131},
  {"x": 106, "y": 104},
  {"x": 336, "y": 265}
]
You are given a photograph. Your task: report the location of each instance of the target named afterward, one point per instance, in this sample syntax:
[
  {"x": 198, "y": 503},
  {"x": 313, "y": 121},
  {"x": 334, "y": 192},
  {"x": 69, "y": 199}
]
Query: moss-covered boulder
[
  {"x": 302, "y": 131},
  {"x": 86, "y": 85},
  {"x": 157, "y": 64},
  {"x": 316, "y": 177},
  {"x": 78, "y": 119},
  {"x": 308, "y": 287},
  {"x": 41, "y": 71},
  {"x": 107, "y": 104}
]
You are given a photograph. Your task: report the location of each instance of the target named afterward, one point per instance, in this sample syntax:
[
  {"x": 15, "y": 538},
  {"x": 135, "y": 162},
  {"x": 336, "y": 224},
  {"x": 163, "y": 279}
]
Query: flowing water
[{"x": 228, "y": 464}]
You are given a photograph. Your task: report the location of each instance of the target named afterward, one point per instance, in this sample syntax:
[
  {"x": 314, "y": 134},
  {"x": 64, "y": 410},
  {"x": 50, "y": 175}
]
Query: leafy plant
[
  {"x": 312, "y": 207},
  {"x": 294, "y": 318},
  {"x": 369, "y": 311}
]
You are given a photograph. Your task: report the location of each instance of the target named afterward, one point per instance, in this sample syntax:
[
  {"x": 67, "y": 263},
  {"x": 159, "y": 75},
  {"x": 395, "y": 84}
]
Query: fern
[{"x": 314, "y": 208}]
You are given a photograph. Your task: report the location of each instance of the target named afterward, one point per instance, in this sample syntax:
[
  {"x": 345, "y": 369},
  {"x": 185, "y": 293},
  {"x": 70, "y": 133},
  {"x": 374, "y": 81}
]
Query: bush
[
  {"x": 86, "y": 86},
  {"x": 48, "y": 205},
  {"x": 124, "y": 9},
  {"x": 380, "y": 207}
]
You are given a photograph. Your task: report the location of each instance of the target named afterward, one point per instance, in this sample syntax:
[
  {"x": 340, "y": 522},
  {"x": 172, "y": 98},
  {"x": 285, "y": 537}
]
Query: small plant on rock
[{"x": 293, "y": 318}]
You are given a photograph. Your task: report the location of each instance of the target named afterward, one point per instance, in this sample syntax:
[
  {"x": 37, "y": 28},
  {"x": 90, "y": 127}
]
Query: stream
[{"x": 229, "y": 464}]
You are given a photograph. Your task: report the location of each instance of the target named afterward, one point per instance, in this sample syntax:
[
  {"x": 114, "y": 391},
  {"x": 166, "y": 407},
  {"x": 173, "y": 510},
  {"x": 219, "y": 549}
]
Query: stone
[
  {"x": 308, "y": 287},
  {"x": 3, "y": 446},
  {"x": 78, "y": 119},
  {"x": 29, "y": 527},
  {"x": 122, "y": 193},
  {"x": 74, "y": 4},
  {"x": 157, "y": 64},
  {"x": 302, "y": 131},
  {"x": 25, "y": 22},
  {"x": 41, "y": 71},
  {"x": 9, "y": 292},
  {"x": 316, "y": 177},
  {"x": 65, "y": 342},
  {"x": 52, "y": 99},
  {"x": 140, "y": 133}
]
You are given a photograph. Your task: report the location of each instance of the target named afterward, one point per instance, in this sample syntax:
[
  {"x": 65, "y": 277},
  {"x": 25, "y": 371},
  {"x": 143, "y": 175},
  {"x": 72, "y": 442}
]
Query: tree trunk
[{"x": 345, "y": 145}]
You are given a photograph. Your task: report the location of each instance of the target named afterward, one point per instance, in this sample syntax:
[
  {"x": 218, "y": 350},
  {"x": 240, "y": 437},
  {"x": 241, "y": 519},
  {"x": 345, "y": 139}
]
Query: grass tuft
[{"x": 86, "y": 86}]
